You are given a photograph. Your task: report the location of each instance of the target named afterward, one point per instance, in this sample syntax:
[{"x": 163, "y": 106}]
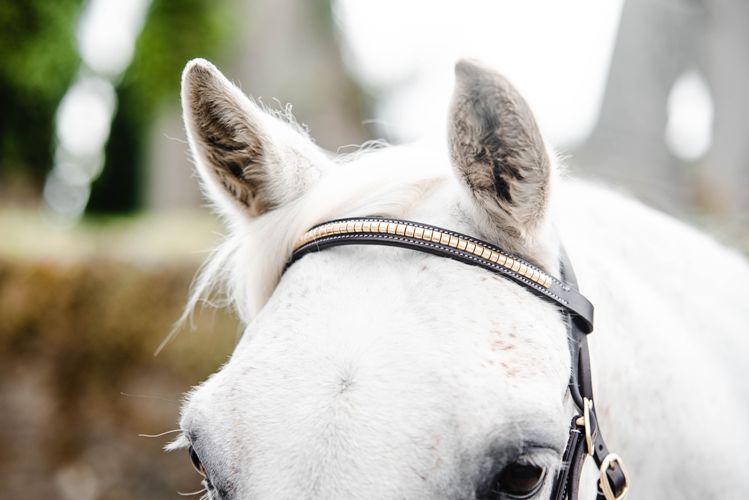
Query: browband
[
  {"x": 445, "y": 243},
  {"x": 585, "y": 435}
]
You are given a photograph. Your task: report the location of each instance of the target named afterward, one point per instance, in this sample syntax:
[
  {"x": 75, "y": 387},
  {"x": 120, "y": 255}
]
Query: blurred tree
[
  {"x": 289, "y": 49},
  {"x": 285, "y": 51},
  {"x": 658, "y": 41},
  {"x": 175, "y": 31},
  {"x": 39, "y": 59},
  {"x": 292, "y": 52}
]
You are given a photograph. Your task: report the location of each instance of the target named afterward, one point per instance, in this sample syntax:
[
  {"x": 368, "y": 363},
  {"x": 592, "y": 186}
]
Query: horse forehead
[
  {"x": 410, "y": 288},
  {"x": 346, "y": 304},
  {"x": 423, "y": 362}
]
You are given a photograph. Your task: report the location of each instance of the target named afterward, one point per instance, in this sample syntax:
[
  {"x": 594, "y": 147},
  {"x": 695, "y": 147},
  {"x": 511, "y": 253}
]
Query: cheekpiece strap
[{"x": 585, "y": 433}]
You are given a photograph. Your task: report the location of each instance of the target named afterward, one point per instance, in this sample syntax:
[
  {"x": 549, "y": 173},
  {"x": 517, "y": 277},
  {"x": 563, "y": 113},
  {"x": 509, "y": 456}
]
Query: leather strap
[
  {"x": 382, "y": 231},
  {"x": 585, "y": 435},
  {"x": 581, "y": 390}
]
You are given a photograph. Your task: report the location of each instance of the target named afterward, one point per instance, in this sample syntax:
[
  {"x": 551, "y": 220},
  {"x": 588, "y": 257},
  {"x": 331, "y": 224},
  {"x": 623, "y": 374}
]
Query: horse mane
[{"x": 245, "y": 267}]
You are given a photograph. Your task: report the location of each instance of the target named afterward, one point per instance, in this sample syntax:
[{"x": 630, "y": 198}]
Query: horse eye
[
  {"x": 196, "y": 463},
  {"x": 517, "y": 480}
]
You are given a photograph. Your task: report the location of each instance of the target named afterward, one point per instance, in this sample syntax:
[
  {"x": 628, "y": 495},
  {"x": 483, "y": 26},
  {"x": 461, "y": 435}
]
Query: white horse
[{"x": 371, "y": 372}]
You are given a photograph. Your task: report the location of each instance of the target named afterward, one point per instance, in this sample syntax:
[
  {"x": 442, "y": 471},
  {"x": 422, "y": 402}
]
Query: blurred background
[{"x": 101, "y": 222}]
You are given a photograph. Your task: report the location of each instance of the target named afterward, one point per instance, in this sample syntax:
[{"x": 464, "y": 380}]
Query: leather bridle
[{"x": 585, "y": 434}]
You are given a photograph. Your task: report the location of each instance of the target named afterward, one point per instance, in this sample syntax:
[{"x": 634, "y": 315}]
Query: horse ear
[
  {"x": 249, "y": 161},
  {"x": 497, "y": 150}
]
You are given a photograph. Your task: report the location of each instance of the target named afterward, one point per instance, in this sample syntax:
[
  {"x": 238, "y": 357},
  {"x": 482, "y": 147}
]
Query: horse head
[{"x": 370, "y": 371}]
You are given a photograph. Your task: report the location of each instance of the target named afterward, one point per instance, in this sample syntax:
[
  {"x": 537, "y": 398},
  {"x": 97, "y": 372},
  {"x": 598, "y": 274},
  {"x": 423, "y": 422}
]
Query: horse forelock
[{"x": 245, "y": 267}]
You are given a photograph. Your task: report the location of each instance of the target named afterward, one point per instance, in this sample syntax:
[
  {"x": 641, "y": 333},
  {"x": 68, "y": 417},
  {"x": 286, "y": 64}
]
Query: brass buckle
[
  {"x": 584, "y": 422},
  {"x": 608, "y": 463}
]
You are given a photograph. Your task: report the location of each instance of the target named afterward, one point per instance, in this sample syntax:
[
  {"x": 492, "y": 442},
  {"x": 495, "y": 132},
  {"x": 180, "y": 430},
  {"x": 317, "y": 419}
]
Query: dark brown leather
[{"x": 581, "y": 388}]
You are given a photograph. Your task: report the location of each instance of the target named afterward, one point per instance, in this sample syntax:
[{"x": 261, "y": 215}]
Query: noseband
[{"x": 585, "y": 435}]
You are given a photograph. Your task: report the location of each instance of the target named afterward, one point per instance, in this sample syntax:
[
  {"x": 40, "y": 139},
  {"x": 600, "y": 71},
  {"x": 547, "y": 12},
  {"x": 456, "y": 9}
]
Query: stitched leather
[
  {"x": 565, "y": 482},
  {"x": 560, "y": 292},
  {"x": 581, "y": 387}
]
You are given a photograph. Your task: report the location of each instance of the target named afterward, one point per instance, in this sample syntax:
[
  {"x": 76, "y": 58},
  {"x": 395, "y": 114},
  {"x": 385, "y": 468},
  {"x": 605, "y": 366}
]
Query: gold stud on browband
[{"x": 429, "y": 235}]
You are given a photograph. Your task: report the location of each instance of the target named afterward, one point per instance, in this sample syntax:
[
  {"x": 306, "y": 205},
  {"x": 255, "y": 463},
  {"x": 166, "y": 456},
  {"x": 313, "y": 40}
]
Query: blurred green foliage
[
  {"x": 38, "y": 59},
  {"x": 175, "y": 31}
]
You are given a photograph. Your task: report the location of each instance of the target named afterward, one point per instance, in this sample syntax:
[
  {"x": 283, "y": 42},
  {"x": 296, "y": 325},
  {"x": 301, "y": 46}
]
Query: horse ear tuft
[
  {"x": 249, "y": 160},
  {"x": 497, "y": 149}
]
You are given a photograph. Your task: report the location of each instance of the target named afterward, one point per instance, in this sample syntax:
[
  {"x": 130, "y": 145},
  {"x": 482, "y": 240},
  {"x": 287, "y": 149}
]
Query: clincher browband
[
  {"x": 585, "y": 436},
  {"x": 446, "y": 243}
]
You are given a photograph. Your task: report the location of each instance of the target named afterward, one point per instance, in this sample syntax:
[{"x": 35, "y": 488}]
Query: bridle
[{"x": 585, "y": 435}]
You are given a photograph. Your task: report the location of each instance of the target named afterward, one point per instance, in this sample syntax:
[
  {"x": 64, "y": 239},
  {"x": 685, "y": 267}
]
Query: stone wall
[{"x": 79, "y": 323}]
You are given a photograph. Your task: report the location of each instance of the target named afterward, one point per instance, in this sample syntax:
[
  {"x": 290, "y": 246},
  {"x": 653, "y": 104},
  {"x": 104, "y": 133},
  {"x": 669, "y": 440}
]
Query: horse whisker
[
  {"x": 160, "y": 434},
  {"x": 192, "y": 493}
]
